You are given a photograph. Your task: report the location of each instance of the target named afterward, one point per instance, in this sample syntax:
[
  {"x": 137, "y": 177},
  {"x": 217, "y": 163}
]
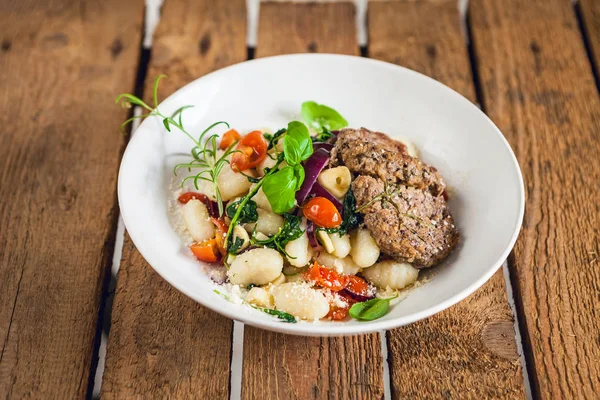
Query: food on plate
[{"x": 316, "y": 221}]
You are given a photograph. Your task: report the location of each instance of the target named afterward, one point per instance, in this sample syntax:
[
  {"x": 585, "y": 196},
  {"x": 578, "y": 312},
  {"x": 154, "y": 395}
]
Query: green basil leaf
[
  {"x": 320, "y": 117},
  {"x": 280, "y": 189},
  {"x": 299, "y": 174},
  {"x": 248, "y": 213},
  {"x": 297, "y": 144},
  {"x": 371, "y": 309}
]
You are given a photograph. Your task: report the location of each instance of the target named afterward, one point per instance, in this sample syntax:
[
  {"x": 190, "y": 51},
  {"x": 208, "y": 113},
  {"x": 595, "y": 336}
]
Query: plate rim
[{"x": 327, "y": 329}]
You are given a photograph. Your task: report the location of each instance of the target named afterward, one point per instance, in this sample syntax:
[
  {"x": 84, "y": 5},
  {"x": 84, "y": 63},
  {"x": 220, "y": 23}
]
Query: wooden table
[{"x": 531, "y": 65}]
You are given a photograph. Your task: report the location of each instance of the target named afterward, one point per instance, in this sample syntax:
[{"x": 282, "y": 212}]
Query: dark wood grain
[
  {"x": 468, "y": 350},
  {"x": 62, "y": 64},
  {"x": 308, "y": 27},
  {"x": 590, "y": 16},
  {"x": 279, "y": 366},
  {"x": 162, "y": 344},
  {"x": 538, "y": 87}
]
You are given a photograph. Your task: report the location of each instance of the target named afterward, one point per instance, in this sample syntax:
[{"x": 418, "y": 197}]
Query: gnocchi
[
  {"x": 363, "y": 249},
  {"x": 299, "y": 251},
  {"x": 268, "y": 223},
  {"x": 341, "y": 244},
  {"x": 300, "y": 300},
  {"x": 336, "y": 180},
  {"x": 259, "y": 297},
  {"x": 345, "y": 265},
  {"x": 256, "y": 266},
  {"x": 391, "y": 273},
  {"x": 197, "y": 221}
]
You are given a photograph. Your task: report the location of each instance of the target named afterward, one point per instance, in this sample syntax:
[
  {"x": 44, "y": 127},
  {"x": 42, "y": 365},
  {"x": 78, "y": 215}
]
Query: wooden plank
[
  {"x": 538, "y": 87},
  {"x": 279, "y": 366},
  {"x": 469, "y": 349},
  {"x": 163, "y": 344},
  {"x": 62, "y": 63},
  {"x": 308, "y": 27},
  {"x": 590, "y": 16}
]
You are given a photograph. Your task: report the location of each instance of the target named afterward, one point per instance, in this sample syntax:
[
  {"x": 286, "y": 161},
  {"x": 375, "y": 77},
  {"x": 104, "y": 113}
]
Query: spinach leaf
[
  {"x": 323, "y": 136},
  {"x": 350, "y": 218},
  {"x": 234, "y": 248},
  {"x": 319, "y": 116},
  {"x": 371, "y": 309},
  {"x": 248, "y": 214},
  {"x": 280, "y": 189},
  {"x": 285, "y": 317},
  {"x": 274, "y": 138},
  {"x": 290, "y": 230},
  {"x": 297, "y": 144}
]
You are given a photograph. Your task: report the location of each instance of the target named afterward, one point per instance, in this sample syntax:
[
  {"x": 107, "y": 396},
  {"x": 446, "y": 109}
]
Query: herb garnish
[
  {"x": 274, "y": 138},
  {"x": 323, "y": 136},
  {"x": 321, "y": 117},
  {"x": 290, "y": 230},
  {"x": 371, "y": 309},
  {"x": 285, "y": 317},
  {"x": 350, "y": 218},
  {"x": 204, "y": 153},
  {"x": 248, "y": 215}
]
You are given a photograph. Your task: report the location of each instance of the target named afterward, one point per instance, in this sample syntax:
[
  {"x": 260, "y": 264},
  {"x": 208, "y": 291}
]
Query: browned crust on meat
[
  {"x": 409, "y": 224},
  {"x": 375, "y": 154}
]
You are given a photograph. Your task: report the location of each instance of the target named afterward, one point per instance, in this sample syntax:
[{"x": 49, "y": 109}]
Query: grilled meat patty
[
  {"x": 373, "y": 153},
  {"x": 400, "y": 197}
]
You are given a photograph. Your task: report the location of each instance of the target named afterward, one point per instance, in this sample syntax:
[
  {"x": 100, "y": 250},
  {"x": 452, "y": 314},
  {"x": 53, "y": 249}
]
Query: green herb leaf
[
  {"x": 320, "y": 117},
  {"x": 285, "y": 317},
  {"x": 234, "y": 248},
  {"x": 323, "y": 136},
  {"x": 155, "y": 91},
  {"x": 290, "y": 230},
  {"x": 166, "y": 124},
  {"x": 371, "y": 309},
  {"x": 274, "y": 138},
  {"x": 350, "y": 218},
  {"x": 299, "y": 174},
  {"x": 297, "y": 144},
  {"x": 248, "y": 214},
  {"x": 131, "y": 99},
  {"x": 280, "y": 189}
]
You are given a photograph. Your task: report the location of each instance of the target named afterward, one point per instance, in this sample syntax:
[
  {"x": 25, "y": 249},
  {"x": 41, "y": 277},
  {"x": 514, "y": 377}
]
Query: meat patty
[
  {"x": 375, "y": 154},
  {"x": 409, "y": 224}
]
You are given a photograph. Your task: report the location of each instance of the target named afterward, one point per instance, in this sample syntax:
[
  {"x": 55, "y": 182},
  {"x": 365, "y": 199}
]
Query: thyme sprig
[{"x": 205, "y": 154}]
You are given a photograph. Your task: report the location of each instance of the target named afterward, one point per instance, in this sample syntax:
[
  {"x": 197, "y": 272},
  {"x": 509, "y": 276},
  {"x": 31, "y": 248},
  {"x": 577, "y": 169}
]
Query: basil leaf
[
  {"x": 248, "y": 214},
  {"x": 297, "y": 144},
  {"x": 299, "y": 174},
  {"x": 280, "y": 189},
  {"x": 371, "y": 309},
  {"x": 321, "y": 117}
]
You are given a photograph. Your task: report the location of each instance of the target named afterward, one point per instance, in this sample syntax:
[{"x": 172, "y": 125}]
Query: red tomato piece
[
  {"x": 337, "y": 313},
  {"x": 357, "y": 285},
  {"x": 187, "y": 196},
  {"x": 252, "y": 151},
  {"x": 220, "y": 235},
  {"x": 206, "y": 251},
  {"x": 327, "y": 278},
  {"x": 229, "y": 138},
  {"x": 322, "y": 212}
]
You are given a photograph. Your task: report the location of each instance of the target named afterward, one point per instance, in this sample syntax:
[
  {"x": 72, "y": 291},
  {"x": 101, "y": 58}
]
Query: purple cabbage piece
[{"x": 312, "y": 167}]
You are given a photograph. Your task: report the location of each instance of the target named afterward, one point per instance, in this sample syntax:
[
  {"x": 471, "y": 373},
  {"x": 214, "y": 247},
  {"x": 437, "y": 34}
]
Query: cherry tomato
[
  {"x": 322, "y": 212},
  {"x": 337, "y": 313},
  {"x": 220, "y": 235},
  {"x": 357, "y": 285},
  {"x": 253, "y": 150},
  {"x": 229, "y": 137},
  {"x": 185, "y": 197},
  {"x": 327, "y": 278},
  {"x": 206, "y": 251}
]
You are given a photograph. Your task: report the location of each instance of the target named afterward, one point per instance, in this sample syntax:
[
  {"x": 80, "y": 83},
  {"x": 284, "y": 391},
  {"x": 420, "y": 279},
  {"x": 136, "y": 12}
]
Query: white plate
[{"x": 450, "y": 132}]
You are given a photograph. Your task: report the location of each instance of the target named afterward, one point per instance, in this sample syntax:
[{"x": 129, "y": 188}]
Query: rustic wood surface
[
  {"x": 163, "y": 344},
  {"x": 538, "y": 87},
  {"x": 277, "y": 366},
  {"x": 61, "y": 63},
  {"x": 469, "y": 349},
  {"x": 590, "y": 17}
]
